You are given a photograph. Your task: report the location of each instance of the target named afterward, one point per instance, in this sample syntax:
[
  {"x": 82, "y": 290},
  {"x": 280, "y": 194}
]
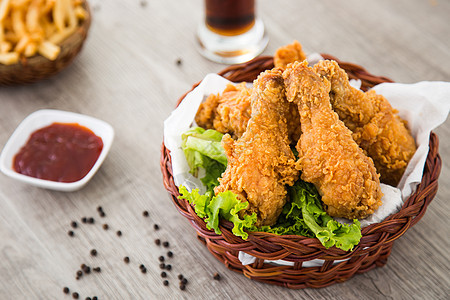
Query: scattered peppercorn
[
  {"x": 161, "y": 258},
  {"x": 94, "y": 252},
  {"x": 179, "y": 62},
  {"x": 79, "y": 273},
  {"x": 182, "y": 286},
  {"x": 87, "y": 270},
  {"x": 66, "y": 290},
  {"x": 144, "y": 270},
  {"x": 119, "y": 233},
  {"x": 102, "y": 214},
  {"x": 74, "y": 224},
  {"x": 163, "y": 274},
  {"x": 84, "y": 220},
  {"x": 184, "y": 281},
  {"x": 158, "y": 242},
  {"x": 126, "y": 259},
  {"x": 162, "y": 265},
  {"x": 97, "y": 269},
  {"x": 180, "y": 276},
  {"x": 141, "y": 267},
  {"x": 216, "y": 276},
  {"x": 91, "y": 221},
  {"x": 71, "y": 233},
  {"x": 94, "y": 298},
  {"x": 145, "y": 213},
  {"x": 99, "y": 208},
  {"x": 156, "y": 226},
  {"x": 75, "y": 295},
  {"x": 168, "y": 267},
  {"x": 166, "y": 282},
  {"x": 165, "y": 244},
  {"x": 88, "y": 298},
  {"x": 170, "y": 254},
  {"x": 105, "y": 226}
]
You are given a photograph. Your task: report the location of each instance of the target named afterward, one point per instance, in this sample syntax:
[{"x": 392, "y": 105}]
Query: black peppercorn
[
  {"x": 71, "y": 233},
  {"x": 166, "y": 282},
  {"x": 170, "y": 254},
  {"x": 165, "y": 244},
  {"x": 163, "y": 274},
  {"x": 168, "y": 267},
  {"x": 74, "y": 224},
  {"x": 145, "y": 213},
  {"x": 119, "y": 233},
  {"x": 156, "y": 226},
  {"x": 75, "y": 295},
  {"x": 158, "y": 242},
  {"x": 126, "y": 259},
  {"x": 216, "y": 276},
  {"x": 94, "y": 252},
  {"x": 66, "y": 290}
]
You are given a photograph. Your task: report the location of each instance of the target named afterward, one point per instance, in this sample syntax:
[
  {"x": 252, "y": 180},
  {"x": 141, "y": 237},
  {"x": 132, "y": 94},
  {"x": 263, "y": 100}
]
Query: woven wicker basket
[
  {"x": 376, "y": 242},
  {"x": 37, "y": 67}
]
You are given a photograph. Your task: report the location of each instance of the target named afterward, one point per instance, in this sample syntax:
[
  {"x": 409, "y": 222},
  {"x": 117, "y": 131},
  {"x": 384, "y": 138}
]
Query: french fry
[
  {"x": 49, "y": 50},
  {"x": 4, "y": 8},
  {"x": 23, "y": 42},
  {"x": 9, "y": 58},
  {"x": 32, "y": 16},
  {"x": 17, "y": 22},
  {"x": 80, "y": 12},
  {"x": 30, "y": 49},
  {"x": 59, "y": 15},
  {"x": 5, "y": 47},
  {"x": 60, "y": 36}
]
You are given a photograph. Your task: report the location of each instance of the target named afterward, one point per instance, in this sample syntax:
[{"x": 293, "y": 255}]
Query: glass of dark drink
[{"x": 231, "y": 32}]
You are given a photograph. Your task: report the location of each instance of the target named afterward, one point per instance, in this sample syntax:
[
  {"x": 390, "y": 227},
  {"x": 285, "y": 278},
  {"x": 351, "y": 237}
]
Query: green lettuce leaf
[
  {"x": 203, "y": 149},
  {"x": 223, "y": 206}
]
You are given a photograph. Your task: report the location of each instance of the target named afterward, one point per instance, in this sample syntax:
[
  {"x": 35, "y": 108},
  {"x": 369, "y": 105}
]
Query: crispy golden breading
[
  {"x": 230, "y": 111},
  {"x": 261, "y": 163},
  {"x": 376, "y": 126},
  {"x": 288, "y": 54},
  {"x": 328, "y": 156}
]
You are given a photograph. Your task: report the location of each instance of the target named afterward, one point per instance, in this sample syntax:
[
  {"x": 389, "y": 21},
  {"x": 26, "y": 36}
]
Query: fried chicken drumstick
[
  {"x": 328, "y": 156},
  {"x": 261, "y": 163},
  {"x": 376, "y": 126}
]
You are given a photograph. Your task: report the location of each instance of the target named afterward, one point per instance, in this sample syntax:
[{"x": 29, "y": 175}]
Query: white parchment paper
[{"x": 425, "y": 105}]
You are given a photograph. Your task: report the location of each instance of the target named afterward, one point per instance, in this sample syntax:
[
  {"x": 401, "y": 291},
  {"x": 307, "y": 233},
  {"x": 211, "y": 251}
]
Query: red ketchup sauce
[{"x": 63, "y": 152}]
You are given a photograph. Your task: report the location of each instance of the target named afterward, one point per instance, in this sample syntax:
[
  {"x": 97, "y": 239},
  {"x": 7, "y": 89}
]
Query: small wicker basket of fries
[
  {"x": 248, "y": 238},
  {"x": 39, "y": 38}
]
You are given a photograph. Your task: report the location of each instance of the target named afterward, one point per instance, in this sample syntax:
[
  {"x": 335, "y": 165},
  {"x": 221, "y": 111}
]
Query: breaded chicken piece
[
  {"x": 261, "y": 163},
  {"x": 328, "y": 156},
  {"x": 230, "y": 111},
  {"x": 376, "y": 126},
  {"x": 288, "y": 54}
]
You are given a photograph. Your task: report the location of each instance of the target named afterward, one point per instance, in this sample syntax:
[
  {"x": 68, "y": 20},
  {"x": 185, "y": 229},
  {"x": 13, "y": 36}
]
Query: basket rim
[{"x": 296, "y": 248}]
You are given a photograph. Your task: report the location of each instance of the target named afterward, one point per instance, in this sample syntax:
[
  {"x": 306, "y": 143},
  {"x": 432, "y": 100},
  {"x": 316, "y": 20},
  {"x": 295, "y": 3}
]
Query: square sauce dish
[{"x": 63, "y": 147}]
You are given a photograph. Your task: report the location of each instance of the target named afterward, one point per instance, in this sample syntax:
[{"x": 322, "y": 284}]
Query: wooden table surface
[{"x": 127, "y": 75}]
